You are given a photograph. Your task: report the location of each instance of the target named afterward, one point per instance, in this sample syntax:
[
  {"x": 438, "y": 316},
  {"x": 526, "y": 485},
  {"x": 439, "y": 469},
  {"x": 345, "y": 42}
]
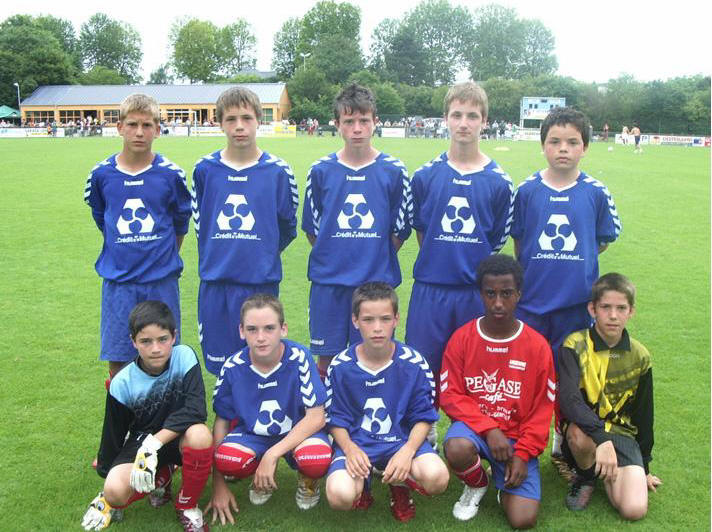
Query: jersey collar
[{"x": 599, "y": 345}]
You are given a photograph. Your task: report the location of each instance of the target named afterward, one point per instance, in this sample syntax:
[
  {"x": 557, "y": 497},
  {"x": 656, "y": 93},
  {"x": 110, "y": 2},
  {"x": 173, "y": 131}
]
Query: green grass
[{"x": 52, "y": 392}]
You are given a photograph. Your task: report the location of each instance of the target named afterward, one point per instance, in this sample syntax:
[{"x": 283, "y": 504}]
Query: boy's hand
[
  {"x": 98, "y": 515},
  {"x": 264, "y": 474},
  {"x": 223, "y": 504},
  {"x": 357, "y": 462},
  {"x": 515, "y": 472},
  {"x": 398, "y": 466},
  {"x": 653, "y": 482},
  {"x": 143, "y": 474},
  {"x": 499, "y": 445},
  {"x": 606, "y": 461}
]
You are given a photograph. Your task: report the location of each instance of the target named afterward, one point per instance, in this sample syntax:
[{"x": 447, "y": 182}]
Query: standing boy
[
  {"x": 272, "y": 388},
  {"x": 497, "y": 385},
  {"x": 155, "y": 419},
  {"x": 379, "y": 410},
  {"x": 462, "y": 209},
  {"x": 635, "y": 132},
  {"x": 562, "y": 220},
  {"x": 606, "y": 395},
  {"x": 355, "y": 217},
  {"x": 244, "y": 211},
  {"x": 140, "y": 203}
]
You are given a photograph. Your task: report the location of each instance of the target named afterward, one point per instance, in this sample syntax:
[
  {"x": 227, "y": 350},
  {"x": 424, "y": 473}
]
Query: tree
[
  {"x": 407, "y": 60},
  {"x": 381, "y": 40},
  {"x": 237, "y": 47},
  {"x": 161, "y": 76},
  {"x": 337, "y": 57},
  {"x": 100, "y": 75},
  {"x": 538, "y": 50},
  {"x": 111, "y": 44},
  {"x": 437, "y": 100},
  {"x": 195, "y": 50},
  {"x": 311, "y": 94},
  {"x": 417, "y": 100},
  {"x": 388, "y": 101},
  {"x": 328, "y": 18},
  {"x": 504, "y": 97},
  {"x": 63, "y": 30},
  {"x": 284, "y": 49}
]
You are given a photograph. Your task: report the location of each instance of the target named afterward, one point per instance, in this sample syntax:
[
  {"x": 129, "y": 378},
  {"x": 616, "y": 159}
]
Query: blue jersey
[
  {"x": 139, "y": 215},
  {"x": 559, "y": 233},
  {"x": 271, "y": 404},
  {"x": 244, "y": 217},
  {"x": 380, "y": 405},
  {"x": 353, "y": 212},
  {"x": 463, "y": 219}
]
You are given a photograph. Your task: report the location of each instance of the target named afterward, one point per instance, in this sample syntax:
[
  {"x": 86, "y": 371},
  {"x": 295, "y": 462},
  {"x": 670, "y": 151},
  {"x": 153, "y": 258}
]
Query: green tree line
[{"x": 410, "y": 63}]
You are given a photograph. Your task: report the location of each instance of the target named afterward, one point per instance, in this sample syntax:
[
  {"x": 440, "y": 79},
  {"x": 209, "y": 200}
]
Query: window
[
  {"x": 66, "y": 116},
  {"x": 179, "y": 115},
  {"x": 111, "y": 116},
  {"x": 35, "y": 117},
  {"x": 267, "y": 114}
]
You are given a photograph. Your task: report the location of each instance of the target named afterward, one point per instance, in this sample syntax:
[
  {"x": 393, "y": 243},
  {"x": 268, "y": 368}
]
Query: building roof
[{"x": 66, "y": 95}]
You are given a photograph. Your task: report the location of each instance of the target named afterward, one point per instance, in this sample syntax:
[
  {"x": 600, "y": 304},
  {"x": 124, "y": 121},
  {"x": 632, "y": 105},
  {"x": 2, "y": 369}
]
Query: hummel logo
[
  {"x": 240, "y": 178},
  {"x": 376, "y": 383},
  {"x": 133, "y": 183},
  {"x": 497, "y": 349},
  {"x": 355, "y": 178},
  {"x": 261, "y": 386},
  {"x": 457, "y": 181},
  {"x": 183, "y": 500},
  {"x": 556, "y": 198}
]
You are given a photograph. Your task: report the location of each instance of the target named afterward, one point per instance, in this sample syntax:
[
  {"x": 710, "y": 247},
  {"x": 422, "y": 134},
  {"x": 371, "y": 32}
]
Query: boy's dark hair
[
  {"x": 561, "y": 116},
  {"x": 500, "y": 265},
  {"x": 355, "y": 98},
  {"x": 374, "y": 291},
  {"x": 261, "y": 301},
  {"x": 613, "y": 282},
  {"x": 151, "y": 313}
]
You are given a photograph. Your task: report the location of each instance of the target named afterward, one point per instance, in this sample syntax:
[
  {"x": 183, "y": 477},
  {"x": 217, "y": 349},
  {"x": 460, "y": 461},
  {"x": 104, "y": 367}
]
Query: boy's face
[
  {"x": 240, "y": 126},
  {"x": 138, "y": 130},
  {"x": 500, "y": 297},
  {"x": 356, "y": 128},
  {"x": 611, "y": 312},
  {"x": 563, "y": 147},
  {"x": 376, "y": 322},
  {"x": 464, "y": 120},
  {"x": 154, "y": 345},
  {"x": 263, "y": 333}
]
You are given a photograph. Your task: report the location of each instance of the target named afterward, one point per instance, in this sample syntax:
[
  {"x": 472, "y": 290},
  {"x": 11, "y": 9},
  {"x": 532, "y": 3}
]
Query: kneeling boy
[
  {"x": 497, "y": 385},
  {"x": 155, "y": 420},
  {"x": 272, "y": 388},
  {"x": 606, "y": 391},
  {"x": 379, "y": 411}
]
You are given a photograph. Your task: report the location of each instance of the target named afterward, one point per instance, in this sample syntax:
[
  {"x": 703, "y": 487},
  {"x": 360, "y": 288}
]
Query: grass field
[{"x": 51, "y": 387}]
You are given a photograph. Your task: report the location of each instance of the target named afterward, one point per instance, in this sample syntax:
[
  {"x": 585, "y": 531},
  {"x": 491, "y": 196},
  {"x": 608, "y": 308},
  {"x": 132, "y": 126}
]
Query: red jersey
[{"x": 507, "y": 384}]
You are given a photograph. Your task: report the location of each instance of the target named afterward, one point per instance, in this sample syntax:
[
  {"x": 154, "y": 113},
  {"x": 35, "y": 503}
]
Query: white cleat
[
  {"x": 259, "y": 497},
  {"x": 466, "y": 508},
  {"x": 307, "y": 494}
]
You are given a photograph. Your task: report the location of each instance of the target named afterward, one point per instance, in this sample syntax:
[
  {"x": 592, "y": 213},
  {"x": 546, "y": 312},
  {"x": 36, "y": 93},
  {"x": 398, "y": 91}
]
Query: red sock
[
  {"x": 412, "y": 484},
  {"x": 474, "y": 476},
  {"x": 163, "y": 477},
  {"x": 196, "y": 470}
]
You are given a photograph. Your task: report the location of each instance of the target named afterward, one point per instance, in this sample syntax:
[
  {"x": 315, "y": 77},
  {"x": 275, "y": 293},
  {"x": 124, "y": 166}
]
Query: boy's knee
[
  {"x": 235, "y": 462},
  {"x": 633, "y": 511},
  {"x": 578, "y": 441},
  {"x": 198, "y": 436},
  {"x": 460, "y": 453},
  {"x": 340, "y": 493},
  {"x": 313, "y": 460},
  {"x": 520, "y": 516},
  {"x": 437, "y": 483}
]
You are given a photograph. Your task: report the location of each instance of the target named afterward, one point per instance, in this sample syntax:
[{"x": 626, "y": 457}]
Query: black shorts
[
  {"x": 637, "y": 140},
  {"x": 627, "y": 450},
  {"x": 168, "y": 454}
]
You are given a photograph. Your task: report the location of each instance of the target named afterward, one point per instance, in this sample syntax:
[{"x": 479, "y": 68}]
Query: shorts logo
[
  {"x": 376, "y": 420},
  {"x": 355, "y": 214},
  {"x": 557, "y": 235},
  {"x": 458, "y": 217},
  {"x": 236, "y": 214},
  {"x": 271, "y": 421},
  {"x": 134, "y": 218}
]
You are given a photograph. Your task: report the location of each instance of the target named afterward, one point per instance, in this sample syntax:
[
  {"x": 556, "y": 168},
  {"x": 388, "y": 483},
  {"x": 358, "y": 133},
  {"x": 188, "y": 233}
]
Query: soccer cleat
[
  {"x": 258, "y": 497},
  {"x": 580, "y": 492},
  {"x": 556, "y": 444},
  {"x": 192, "y": 520},
  {"x": 161, "y": 496},
  {"x": 307, "y": 495},
  {"x": 365, "y": 500},
  {"x": 432, "y": 436},
  {"x": 469, "y": 503},
  {"x": 402, "y": 505}
]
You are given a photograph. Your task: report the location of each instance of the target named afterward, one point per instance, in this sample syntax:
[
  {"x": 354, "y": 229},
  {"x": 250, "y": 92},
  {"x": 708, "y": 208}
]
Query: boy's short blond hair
[
  {"x": 238, "y": 97},
  {"x": 469, "y": 91},
  {"x": 140, "y": 103}
]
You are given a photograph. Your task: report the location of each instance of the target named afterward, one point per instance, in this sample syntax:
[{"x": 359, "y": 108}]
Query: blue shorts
[
  {"x": 378, "y": 452},
  {"x": 260, "y": 444},
  {"x": 556, "y": 325},
  {"x": 219, "y": 318},
  {"x": 434, "y": 314},
  {"x": 330, "y": 327},
  {"x": 117, "y": 302},
  {"x": 530, "y": 488}
]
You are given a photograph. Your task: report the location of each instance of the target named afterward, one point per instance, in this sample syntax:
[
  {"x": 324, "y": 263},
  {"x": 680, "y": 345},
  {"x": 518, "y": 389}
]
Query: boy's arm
[
  {"x": 642, "y": 416},
  {"x": 222, "y": 501},
  {"x": 181, "y": 207},
  {"x": 517, "y": 248},
  {"x": 608, "y": 224},
  {"x": 573, "y": 406},
  {"x": 117, "y": 420},
  {"x": 95, "y": 200},
  {"x": 357, "y": 462},
  {"x": 398, "y": 467},
  {"x": 287, "y": 209},
  {"x": 401, "y": 206},
  {"x": 193, "y": 409},
  {"x": 196, "y": 195},
  {"x": 312, "y": 422},
  {"x": 311, "y": 212},
  {"x": 534, "y": 430},
  {"x": 502, "y": 207}
]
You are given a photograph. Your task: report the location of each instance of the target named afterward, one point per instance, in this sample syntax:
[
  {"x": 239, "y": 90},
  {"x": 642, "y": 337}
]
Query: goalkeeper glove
[
  {"x": 143, "y": 474},
  {"x": 98, "y": 515}
]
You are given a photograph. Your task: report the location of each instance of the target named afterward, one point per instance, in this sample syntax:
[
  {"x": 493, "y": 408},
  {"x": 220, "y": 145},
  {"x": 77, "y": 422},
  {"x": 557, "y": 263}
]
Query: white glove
[
  {"x": 98, "y": 514},
  {"x": 143, "y": 474}
]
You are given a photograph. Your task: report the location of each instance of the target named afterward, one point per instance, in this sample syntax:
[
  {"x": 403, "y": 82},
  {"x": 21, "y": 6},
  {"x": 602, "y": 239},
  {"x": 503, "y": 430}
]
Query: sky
[{"x": 595, "y": 41}]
